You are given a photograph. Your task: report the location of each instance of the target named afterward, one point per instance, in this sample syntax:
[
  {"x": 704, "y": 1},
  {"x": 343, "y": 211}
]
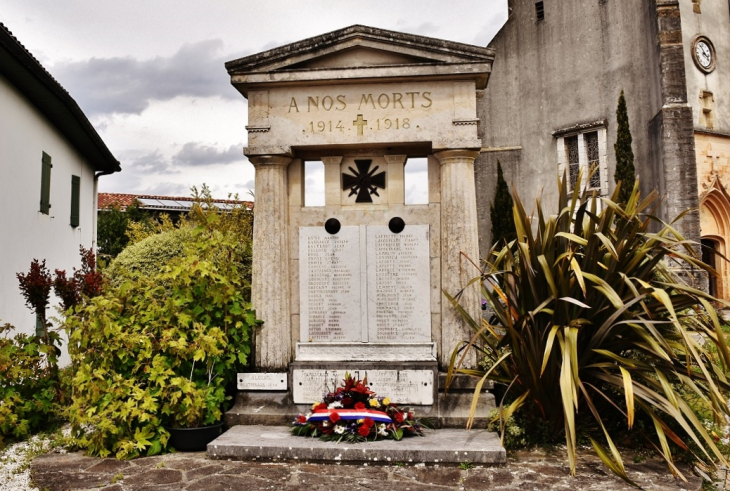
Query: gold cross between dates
[{"x": 359, "y": 122}]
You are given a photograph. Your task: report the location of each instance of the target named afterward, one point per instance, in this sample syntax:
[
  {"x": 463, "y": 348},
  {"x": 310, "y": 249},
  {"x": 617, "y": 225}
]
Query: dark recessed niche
[
  {"x": 332, "y": 226},
  {"x": 396, "y": 225}
]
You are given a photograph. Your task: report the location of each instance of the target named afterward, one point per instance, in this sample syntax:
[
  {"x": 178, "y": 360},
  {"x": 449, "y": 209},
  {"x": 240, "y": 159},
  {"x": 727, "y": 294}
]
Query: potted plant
[{"x": 206, "y": 340}]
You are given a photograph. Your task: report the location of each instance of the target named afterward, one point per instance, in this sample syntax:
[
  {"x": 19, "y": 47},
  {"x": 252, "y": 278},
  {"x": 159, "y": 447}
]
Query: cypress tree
[
  {"x": 624, "y": 155},
  {"x": 503, "y": 224}
]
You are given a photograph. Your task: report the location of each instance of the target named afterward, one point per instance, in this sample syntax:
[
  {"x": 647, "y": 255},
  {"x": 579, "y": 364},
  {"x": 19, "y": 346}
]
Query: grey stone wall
[
  {"x": 712, "y": 21},
  {"x": 569, "y": 69}
]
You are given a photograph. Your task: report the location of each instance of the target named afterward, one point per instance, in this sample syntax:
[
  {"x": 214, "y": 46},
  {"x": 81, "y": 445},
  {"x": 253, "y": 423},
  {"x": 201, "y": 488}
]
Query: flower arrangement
[{"x": 356, "y": 414}]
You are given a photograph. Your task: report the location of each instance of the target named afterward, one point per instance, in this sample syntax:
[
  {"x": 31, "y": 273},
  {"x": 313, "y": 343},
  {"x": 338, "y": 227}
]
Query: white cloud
[{"x": 128, "y": 85}]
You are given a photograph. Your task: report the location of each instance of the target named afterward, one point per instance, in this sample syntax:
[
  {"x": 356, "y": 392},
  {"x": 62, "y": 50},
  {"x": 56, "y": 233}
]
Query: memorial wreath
[{"x": 354, "y": 413}]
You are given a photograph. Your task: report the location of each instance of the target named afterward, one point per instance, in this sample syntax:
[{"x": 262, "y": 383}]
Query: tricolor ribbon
[{"x": 348, "y": 414}]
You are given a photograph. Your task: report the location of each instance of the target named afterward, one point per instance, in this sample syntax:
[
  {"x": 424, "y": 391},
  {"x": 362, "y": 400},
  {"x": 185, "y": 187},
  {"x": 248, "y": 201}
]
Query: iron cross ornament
[{"x": 365, "y": 182}]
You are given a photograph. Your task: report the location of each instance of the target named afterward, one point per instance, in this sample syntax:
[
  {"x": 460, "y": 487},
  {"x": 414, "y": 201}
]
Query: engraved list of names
[
  {"x": 365, "y": 284},
  {"x": 330, "y": 284},
  {"x": 398, "y": 275}
]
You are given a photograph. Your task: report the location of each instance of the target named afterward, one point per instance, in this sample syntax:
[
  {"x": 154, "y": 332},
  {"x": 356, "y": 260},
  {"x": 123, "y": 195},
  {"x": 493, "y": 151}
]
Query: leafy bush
[
  {"x": 33, "y": 391},
  {"x": 35, "y": 286},
  {"x": 590, "y": 327},
  {"x": 113, "y": 225},
  {"x": 154, "y": 243},
  {"x": 147, "y": 257},
  {"x": 30, "y": 393},
  {"x": 159, "y": 349},
  {"x": 83, "y": 284},
  {"x": 500, "y": 211}
]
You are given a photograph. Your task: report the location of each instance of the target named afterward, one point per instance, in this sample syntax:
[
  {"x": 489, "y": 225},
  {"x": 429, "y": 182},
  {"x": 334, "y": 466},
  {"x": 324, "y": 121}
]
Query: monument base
[
  {"x": 444, "y": 409},
  {"x": 277, "y": 443}
]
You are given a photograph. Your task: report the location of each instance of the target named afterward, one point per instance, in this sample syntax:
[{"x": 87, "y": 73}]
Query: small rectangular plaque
[
  {"x": 401, "y": 386},
  {"x": 262, "y": 381}
]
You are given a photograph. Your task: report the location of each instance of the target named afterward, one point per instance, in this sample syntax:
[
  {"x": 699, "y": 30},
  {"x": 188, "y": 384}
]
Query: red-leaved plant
[
  {"x": 35, "y": 287},
  {"x": 85, "y": 282}
]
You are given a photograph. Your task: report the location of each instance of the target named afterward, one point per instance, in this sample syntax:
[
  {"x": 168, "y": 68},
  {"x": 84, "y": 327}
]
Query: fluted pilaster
[
  {"x": 270, "y": 283},
  {"x": 459, "y": 234}
]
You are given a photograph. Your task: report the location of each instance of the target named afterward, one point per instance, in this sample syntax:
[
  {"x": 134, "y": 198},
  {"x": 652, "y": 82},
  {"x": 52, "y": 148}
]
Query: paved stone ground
[{"x": 534, "y": 470}]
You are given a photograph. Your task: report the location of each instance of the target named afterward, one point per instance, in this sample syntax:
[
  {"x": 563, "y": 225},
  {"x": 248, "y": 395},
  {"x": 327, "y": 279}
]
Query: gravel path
[{"x": 15, "y": 462}]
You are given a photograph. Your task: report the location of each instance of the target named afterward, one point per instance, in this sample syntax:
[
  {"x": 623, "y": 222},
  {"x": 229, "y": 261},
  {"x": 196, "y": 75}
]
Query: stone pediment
[{"x": 363, "y": 53}]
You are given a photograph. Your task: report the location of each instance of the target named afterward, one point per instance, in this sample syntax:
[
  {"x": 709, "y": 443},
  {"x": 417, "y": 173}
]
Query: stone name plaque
[
  {"x": 402, "y": 386},
  {"x": 365, "y": 284},
  {"x": 399, "y": 284},
  {"x": 262, "y": 381},
  {"x": 330, "y": 287}
]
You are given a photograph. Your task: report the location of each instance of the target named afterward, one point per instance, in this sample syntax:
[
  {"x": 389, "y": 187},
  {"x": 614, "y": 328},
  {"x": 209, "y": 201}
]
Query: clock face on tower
[{"x": 703, "y": 54}]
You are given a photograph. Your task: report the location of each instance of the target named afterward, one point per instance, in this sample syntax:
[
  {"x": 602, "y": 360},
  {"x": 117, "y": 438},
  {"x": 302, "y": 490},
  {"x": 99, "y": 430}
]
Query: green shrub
[
  {"x": 625, "y": 172},
  {"x": 30, "y": 394},
  {"x": 500, "y": 211},
  {"x": 159, "y": 350},
  {"x": 591, "y": 328},
  {"x": 146, "y": 257},
  {"x": 154, "y": 243},
  {"x": 113, "y": 226}
]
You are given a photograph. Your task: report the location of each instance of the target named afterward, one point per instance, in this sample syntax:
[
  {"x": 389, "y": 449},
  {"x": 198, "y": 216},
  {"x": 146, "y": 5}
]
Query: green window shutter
[
  {"x": 46, "y": 184},
  {"x": 75, "y": 200}
]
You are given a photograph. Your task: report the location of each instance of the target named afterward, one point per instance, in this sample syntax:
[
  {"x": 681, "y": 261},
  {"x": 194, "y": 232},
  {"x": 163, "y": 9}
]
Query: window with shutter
[
  {"x": 75, "y": 200},
  {"x": 46, "y": 183}
]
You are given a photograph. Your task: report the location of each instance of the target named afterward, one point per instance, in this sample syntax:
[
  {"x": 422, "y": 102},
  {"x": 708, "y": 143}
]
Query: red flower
[
  {"x": 399, "y": 417},
  {"x": 360, "y": 389},
  {"x": 368, "y": 422},
  {"x": 347, "y": 401},
  {"x": 410, "y": 415},
  {"x": 359, "y": 405},
  {"x": 364, "y": 430},
  {"x": 321, "y": 405},
  {"x": 334, "y": 417},
  {"x": 302, "y": 419}
]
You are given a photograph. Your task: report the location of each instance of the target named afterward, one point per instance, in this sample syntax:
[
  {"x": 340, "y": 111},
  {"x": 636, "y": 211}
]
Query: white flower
[
  {"x": 339, "y": 429},
  {"x": 381, "y": 430},
  {"x": 325, "y": 423},
  {"x": 335, "y": 405}
]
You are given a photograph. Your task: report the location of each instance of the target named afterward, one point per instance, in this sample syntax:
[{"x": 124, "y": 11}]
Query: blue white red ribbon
[{"x": 349, "y": 414}]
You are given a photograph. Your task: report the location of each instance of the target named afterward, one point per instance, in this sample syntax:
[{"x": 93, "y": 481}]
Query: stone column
[
  {"x": 459, "y": 234},
  {"x": 270, "y": 293}
]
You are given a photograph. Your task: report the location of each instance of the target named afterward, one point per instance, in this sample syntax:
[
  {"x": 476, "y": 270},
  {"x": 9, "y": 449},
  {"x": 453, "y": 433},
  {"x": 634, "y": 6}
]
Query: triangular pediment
[
  {"x": 360, "y": 47},
  {"x": 358, "y": 56}
]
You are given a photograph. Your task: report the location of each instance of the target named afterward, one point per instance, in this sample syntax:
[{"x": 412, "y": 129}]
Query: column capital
[
  {"x": 456, "y": 155},
  {"x": 270, "y": 160}
]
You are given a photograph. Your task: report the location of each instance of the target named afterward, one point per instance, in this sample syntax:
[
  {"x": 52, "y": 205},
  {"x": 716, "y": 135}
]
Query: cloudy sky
[{"x": 149, "y": 74}]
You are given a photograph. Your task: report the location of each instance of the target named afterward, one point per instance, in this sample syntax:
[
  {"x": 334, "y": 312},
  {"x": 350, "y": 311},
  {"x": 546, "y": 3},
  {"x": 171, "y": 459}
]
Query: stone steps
[{"x": 443, "y": 446}]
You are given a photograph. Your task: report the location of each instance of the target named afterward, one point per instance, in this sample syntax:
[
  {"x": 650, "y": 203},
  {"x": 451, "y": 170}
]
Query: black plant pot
[{"x": 193, "y": 439}]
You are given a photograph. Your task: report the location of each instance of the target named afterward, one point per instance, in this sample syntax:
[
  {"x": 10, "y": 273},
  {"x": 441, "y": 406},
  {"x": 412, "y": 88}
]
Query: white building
[{"x": 50, "y": 160}]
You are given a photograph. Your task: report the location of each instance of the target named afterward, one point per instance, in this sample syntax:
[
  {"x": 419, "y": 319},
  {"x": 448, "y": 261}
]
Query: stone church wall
[{"x": 554, "y": 74}]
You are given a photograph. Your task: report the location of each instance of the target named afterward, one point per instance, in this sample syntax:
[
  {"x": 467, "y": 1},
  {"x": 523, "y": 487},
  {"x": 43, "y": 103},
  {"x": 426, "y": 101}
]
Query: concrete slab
[{"x": 437, "y": 446}]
